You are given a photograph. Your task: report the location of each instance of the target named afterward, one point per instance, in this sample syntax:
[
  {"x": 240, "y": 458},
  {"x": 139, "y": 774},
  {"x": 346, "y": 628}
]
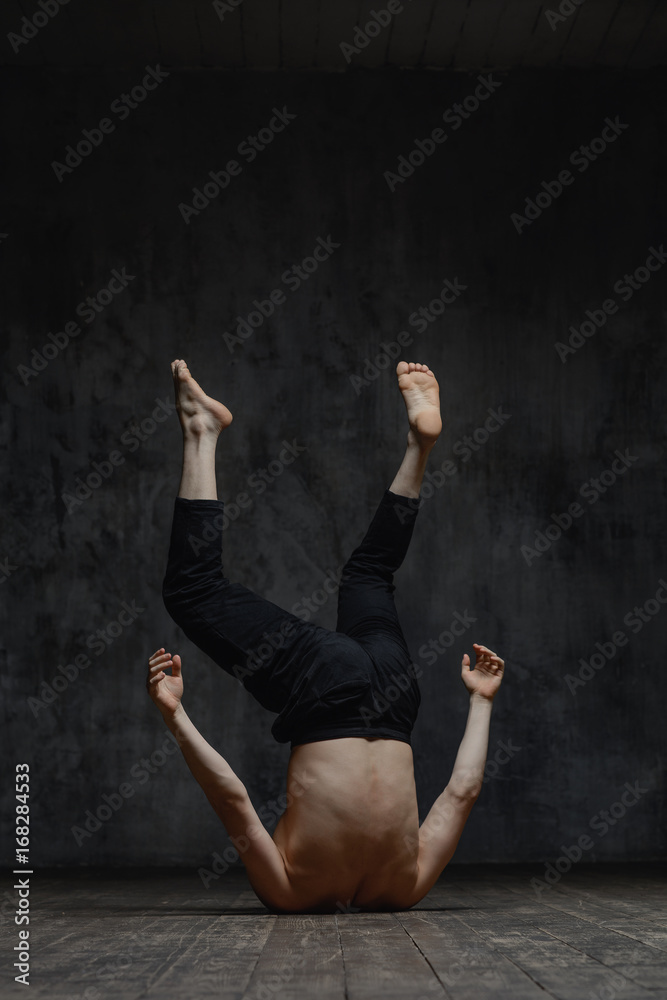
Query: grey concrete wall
[{"x": 70, "y": 568}]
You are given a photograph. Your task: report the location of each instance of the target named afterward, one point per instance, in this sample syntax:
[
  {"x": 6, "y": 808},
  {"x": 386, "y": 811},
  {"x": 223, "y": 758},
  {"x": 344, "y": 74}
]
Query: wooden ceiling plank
[
  {"x": 118, "y": 35},
  {"x": 179, "y": 44},
  {"x": 11, "y": 13},
  {"x": 58, "y": 38},
  {"x": 261, "y": 33},
  {"x": 513, "y": 32},
  {"x": 299, "y": 28},
  {"x": 651, "y": 46},
  {"x": 548, "y": 38},
  {"x": 624, "y": 31},
  {"x": 133, "y": 33},
  {"x": 88, "y": 25},
  {"x": 587, "y": 34},
  {"x": 304, "y": 34},
  {"x": 380, "y": 29},
  {"x": 445, "y": 29},
  {"x": 477, "y": 34},
  {"x": 28, "y": 45},
  {"x": 338, "y": 19},
  {"x": 221, "y": 34},
  {"x": 407, "y": 43}
]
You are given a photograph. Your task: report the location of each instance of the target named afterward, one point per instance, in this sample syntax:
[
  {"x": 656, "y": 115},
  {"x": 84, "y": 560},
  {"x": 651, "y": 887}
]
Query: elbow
[
  {"x": 226, "y": 793},
  {"x": 465, "y": 791},
  {"x": 234, "y": 791}
]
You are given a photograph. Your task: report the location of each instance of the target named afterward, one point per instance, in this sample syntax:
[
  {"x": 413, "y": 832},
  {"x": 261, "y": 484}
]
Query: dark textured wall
[{"x": 69, "y": 568}]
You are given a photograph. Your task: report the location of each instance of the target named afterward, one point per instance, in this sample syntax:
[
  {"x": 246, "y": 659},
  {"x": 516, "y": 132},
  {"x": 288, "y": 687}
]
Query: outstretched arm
[
  {"x": 440, "y": 832},
  {"x": 221, "y": 785}
]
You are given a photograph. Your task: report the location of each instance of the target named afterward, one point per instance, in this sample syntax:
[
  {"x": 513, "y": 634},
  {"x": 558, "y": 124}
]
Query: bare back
[{"x": 348, "y": 835}]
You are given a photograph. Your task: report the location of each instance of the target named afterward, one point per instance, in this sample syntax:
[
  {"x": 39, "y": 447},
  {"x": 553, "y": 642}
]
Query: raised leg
[
  {"x": 366, "y": 609},
  {"x": 249, "y": 637},
  {"x": 202, "y": 418},
  {"x": 422, "y": 399}
]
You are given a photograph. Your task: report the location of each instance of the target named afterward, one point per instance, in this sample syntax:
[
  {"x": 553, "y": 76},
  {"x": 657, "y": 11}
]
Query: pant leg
[
  {"x": 251, "y": 638},
  {"x": 367, "y": 613},
  {"x": 366, "y": 609}
]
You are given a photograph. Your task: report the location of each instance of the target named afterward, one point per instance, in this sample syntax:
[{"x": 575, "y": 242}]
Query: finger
[
  {"x": 496, "y": 660},
  {"x": 486, "y": 652},
  {"x": 176, "y": 666},
  {"x": 157, "y": 652},
  {"x": 483, "y": 649},
  {"x": 158, "y": 677},
  {"x": 159, "y": 666},
  {"x": 159, "y": 659},
  {"x": 465, "y": 662}
]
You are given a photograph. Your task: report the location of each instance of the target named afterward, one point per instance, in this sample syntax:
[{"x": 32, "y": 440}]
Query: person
[{"x": 346, "y": 700}]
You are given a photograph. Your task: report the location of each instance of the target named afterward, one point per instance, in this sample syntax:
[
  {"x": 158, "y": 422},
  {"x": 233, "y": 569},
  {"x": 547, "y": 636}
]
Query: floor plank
[
  {"x": 382, "y": 960},
  {"x": 482, "y": 933}
]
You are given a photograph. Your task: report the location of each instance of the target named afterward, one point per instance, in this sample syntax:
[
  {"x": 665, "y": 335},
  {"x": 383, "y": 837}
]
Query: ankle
[
  {"x": 420, "y": 446},
  {"x": 197, "y": 434}
]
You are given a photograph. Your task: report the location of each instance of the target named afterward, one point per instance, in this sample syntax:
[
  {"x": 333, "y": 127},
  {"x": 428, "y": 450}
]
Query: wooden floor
[{"x": 482, "y": 932}]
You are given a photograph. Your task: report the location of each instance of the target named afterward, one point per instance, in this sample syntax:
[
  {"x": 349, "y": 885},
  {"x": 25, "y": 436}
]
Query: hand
[
  {"x": 165, "y": 690},
  {"x": 485, "y": 679}
]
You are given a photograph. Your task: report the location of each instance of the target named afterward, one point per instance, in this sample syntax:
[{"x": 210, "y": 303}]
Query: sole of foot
[
  {"x": 199, "y": 414},
  {"x": 421, "y": 394}
]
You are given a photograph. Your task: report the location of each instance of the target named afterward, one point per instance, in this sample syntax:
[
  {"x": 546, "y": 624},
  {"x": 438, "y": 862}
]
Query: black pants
[{"x": 358, "y": 680}]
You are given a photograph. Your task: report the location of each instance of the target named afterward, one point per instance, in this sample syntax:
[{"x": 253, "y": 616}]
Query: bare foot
[
  {"x": 422, "y": 399},
  {"x": 199, "y": 414}
]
